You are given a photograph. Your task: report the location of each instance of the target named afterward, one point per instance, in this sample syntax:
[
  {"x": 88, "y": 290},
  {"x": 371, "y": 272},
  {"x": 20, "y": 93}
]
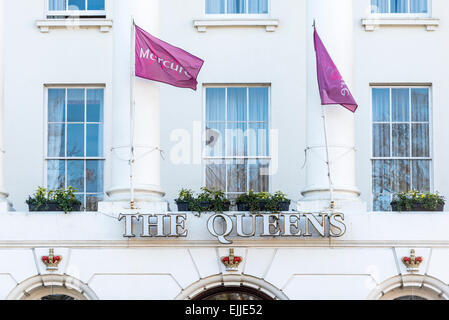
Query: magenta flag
[
  {"x": 333, "y": 89},
  {"x": 159, "y": 61}
]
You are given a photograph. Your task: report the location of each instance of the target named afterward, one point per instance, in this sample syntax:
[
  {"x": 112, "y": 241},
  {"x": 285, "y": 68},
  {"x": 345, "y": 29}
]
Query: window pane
[
  {"x": 381, "y": 202},
  {"x": 95, "y": 105},
  {"x": 94, "y": 141},
  {"x": 92, "y": 201},
  {"x": 75, "y": 105},
  {"x": 56, "y": 140},
  {"x": 57, "y": 5},
  {"x": 216, "y": 175},
  {"x": 381, "y": 185},
  {"x": 215, "y": 104},
  {"x": 258, "y": 6},
  {"x": 236, "y": 139},
  {"x": 75, "y": 140},
  {"x": 258, "y": 139},
  {"x": 399, "y": 6},
  {"x": 75, "y": 174},
  {"x": 400, "y": 105},
  {"x": 236, "y": 6},
  {"x": 401, "y": 140},
  {"x": 381, "y": 105},
  {"x": 80, "y": 197},
  {"x": 258, "y": 175},
  {"x": 215, "y": 140},
  {"x": 418, "y": 6},
  {"x": 56, "y": 105},
  {"x": 400, "y": 175},
  {"x": 237, "y": 175},
  {"x": 237, "y": 104},
  {"x": 381, "y": 140},
  {"x": 215, "y": 6},
  {"x": 77, "y": 4},
  {"x": 258, "y": 104},
  {"x": 95, "y": 4},
  {"x": 420, "y": 140},
  {"x": 420, "y": 104},
  {"x": 381, "y": 176},
  {"x": 94, "y": 176},
  {"x": 56, "y": 174},
  {"x": 379, "y": 6},
  {"x": 421, "y": 175}
]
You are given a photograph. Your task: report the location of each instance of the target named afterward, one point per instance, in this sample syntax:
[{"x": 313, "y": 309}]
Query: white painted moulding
[
  {"x": 270, "y": 25},
  {"x": 372, "y": 24},
  {"x": 105, "y": 25}
]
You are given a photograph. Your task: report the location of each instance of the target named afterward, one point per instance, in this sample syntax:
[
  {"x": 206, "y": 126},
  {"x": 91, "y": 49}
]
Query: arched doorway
[
  {"x": 53, "y": 293},
  {"x": 52, "y": 287},
  {"x": 411, "y": 287},
  {"x": 223, "y": 293},
  {"x": 231, "y": 287}
]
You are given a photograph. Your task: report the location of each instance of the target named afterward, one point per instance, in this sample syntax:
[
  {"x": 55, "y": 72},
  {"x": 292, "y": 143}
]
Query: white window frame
[
  {"x": 389, "y": 14},
  {"x": 225, "y": 158},
  {"x": 431, "y": 136},
  {"x": 65, "y": 158},
  {"x": 76, "y": 13},
  {"x": 237, "y": 15}
]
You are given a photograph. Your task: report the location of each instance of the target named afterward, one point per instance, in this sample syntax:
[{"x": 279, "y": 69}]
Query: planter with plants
[
  {"x": 248, "y": 202},
  {"x": 207, "y": 201},
  {"x": 54, "y": 200},
  {"x": 185, "y": 200},
  {"x": 211, "y": 201},
  {"x": 417, "y": 201},
  {"x": 262, "y": 201},
  {"x": 279, "y": 202}
]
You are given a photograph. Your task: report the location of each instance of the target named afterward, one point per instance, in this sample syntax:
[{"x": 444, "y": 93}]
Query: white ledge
[
  {"x": 270, "y": 25},
  {"x": 372, "y": 24},
  {"x": 105, "y": 25}
]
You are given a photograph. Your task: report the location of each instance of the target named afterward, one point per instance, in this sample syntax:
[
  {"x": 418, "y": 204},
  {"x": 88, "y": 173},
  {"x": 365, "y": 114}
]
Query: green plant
[
  {"x": 65, "y": 199},
  {"x": 415, "y": 200},
  {"x": 210, "y": 200},
  {"x": 251, "y": 199},
  {"x": 185, "y": 195},
  {"x": 263, "y": 196},
  {"x": 39, "y": 199},
  {"x": 275, "y": 201}
]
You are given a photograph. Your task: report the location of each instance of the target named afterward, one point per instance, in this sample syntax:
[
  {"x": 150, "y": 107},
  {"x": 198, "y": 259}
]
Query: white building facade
[{"x": 253, "y": 124}]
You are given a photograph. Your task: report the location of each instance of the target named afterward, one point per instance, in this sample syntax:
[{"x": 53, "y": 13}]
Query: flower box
[{"x": 415, "y": 201}]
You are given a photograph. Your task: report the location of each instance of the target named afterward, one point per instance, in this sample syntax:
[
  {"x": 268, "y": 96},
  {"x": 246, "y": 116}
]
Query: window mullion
[
  {"x": 391, "y": 138},
  {"x": 410, "y": 137},
  {"x": 247, "y": 140},
  {"x": 226, "y": 140}
]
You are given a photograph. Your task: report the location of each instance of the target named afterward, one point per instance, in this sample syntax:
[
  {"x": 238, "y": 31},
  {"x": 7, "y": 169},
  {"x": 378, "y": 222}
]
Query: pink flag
[
  {"x": 333, "y": 89},
  {"x": 160, "y": 61}
]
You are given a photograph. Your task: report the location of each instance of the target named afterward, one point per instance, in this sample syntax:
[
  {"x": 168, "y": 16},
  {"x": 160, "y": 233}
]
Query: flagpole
[
  {"x": 329, "y": 176},
  {"x": 331, "y": 185},
  {"x": 132, "y": 112}
]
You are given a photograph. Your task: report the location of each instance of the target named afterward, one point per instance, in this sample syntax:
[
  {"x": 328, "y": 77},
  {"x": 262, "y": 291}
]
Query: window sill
[
  {"x": 270, "y": 25},
  {"x": 105, "y": 25},
  {"x": 372, "y": 24}
]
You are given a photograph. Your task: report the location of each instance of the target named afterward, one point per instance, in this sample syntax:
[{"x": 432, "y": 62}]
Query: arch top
[
  {"x": 44, "y": 285},
  {"x": 216, "y": 283},
  {"x": 422, "y": 286}
]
